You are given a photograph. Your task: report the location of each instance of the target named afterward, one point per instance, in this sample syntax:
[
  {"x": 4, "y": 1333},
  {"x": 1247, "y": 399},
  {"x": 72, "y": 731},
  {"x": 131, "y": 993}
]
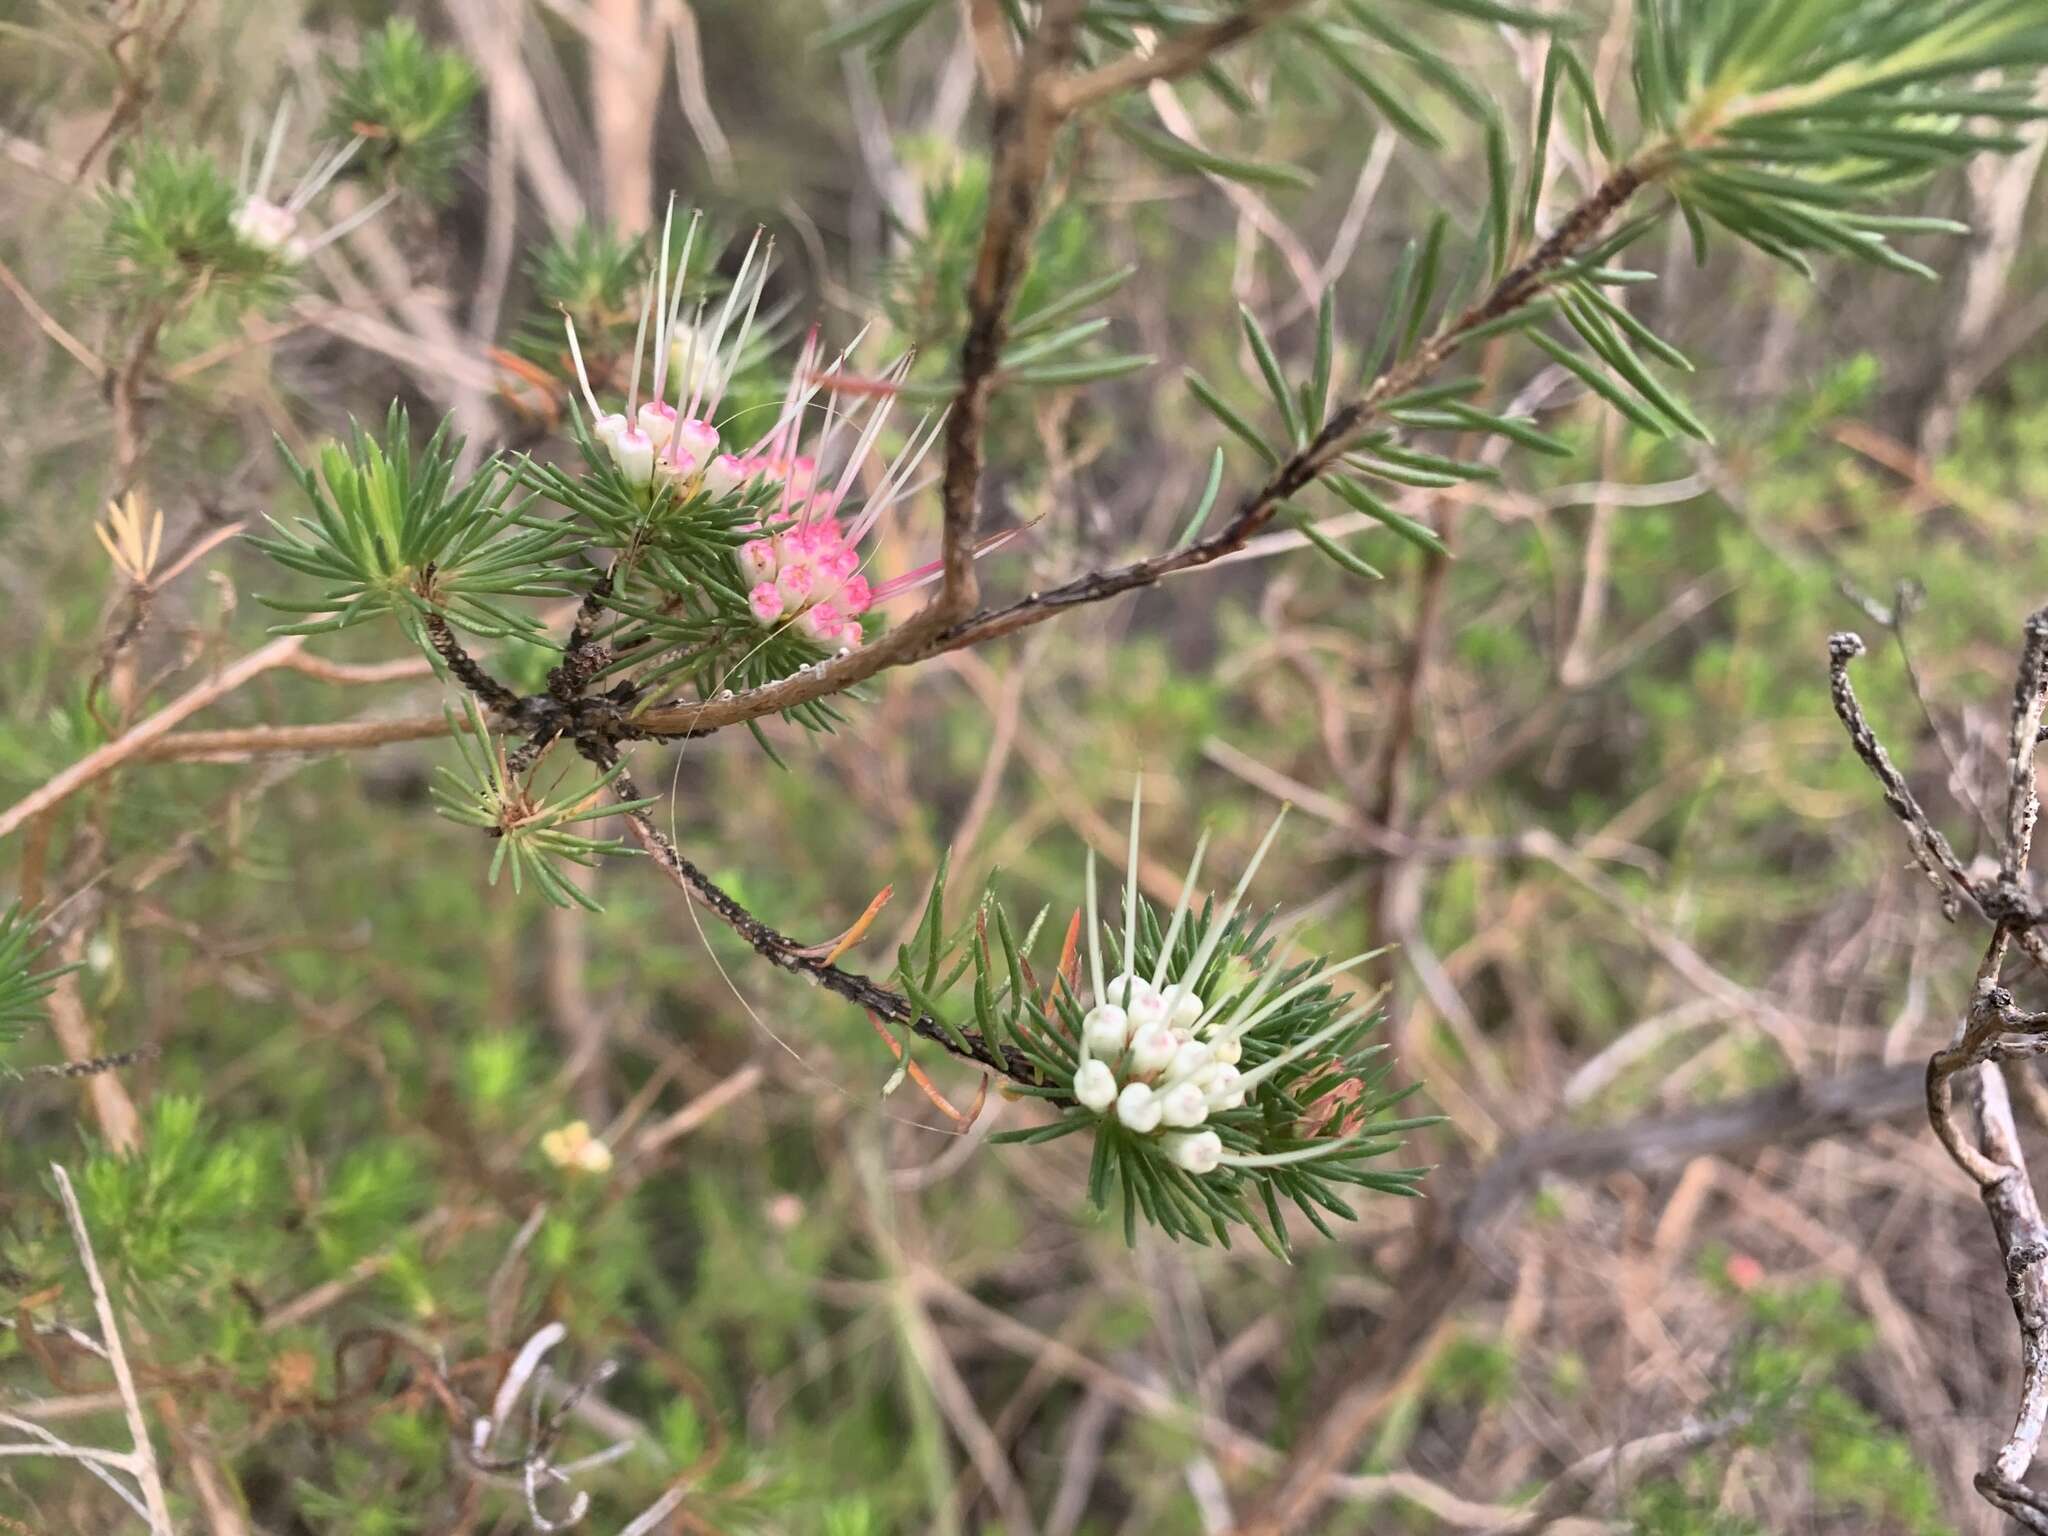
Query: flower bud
[
  {"x": 1190, "y": 1061},
  {"x": 851, "y": 635},
  {"x": 634, "y": 455},
  {"x": 1118, "y": 988},
  {"x": 265, "y": 225},
  {"x": 821, "y": 623},
  {"x": 1199, "y": 1153},
  {"x": 758, "y": 559},
  {"x": 1185, "y": 1005},
  {"x": 658, "y": 420},
  {"x": 573, "y": 1147},
  {"x": 794, "y": 583},
  {"x": 726, "y": 474},
  {"x": 766, "y": 603},
  {"x": 606, "y": 429},
  {"x": 1106, "y": 1029},
  {"x": 1138, "y": 1109},
  {"x": 1095, "y": 1085},
  {"x": 1152, "y": 1047},
  {"x": 1228, "y": 1052},
  {"x": 1147, "y": 1006},
  {"x": 1183, "y": 1105},
  {"x": 696, "y": 444},
  {"x": 1222, "y": 1091}
]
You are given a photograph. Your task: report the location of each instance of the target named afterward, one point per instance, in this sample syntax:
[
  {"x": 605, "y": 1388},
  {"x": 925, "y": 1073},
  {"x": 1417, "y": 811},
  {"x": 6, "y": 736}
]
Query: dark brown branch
[
  {"x": 582, "y": 657},
  {"x": 800, "y": 959},
  {"x": 493, "y": 694},
  {"x": 1025, "y": 121}
]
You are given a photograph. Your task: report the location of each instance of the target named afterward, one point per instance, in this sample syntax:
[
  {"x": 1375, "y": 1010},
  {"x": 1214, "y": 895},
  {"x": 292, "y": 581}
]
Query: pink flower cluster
[
  {"x": 802, "y": 563},
  {"x": 808, "y": 572}
]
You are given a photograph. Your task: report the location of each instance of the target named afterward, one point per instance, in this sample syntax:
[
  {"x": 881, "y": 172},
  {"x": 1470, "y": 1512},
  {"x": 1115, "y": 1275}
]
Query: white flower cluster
[
  {"x": 274, "y": 226},
  {"x": 662, "y": 441},
  {"x": 1158, "y": 1056},
  {"x": 1145, "y": 1058}
]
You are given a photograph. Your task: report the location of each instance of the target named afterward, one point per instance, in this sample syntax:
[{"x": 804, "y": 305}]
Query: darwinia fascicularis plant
[
  {"x": 685, "y": 502},
  {"x": 713, "y": 525},
  {"x": 687, "y": 513}
]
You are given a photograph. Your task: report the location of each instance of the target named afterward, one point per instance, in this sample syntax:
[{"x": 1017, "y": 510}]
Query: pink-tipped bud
[
  {"x": 822, "y": 539},
  {"x": 696, "y": 444},
  {"x": 1147, "y": 1006},
  {"x": 854, "y": 595},
  {"x": 1223, "y": 1091},
  {"x": 1199, "y": 1153},
  {"x": 822, "y": 623},
  {"x": 794, "y": 583},
  {"x": 766, "y": 602},
  {"x": 1138, "y": 1108},
  {"x": 633, "y": 452},
  {"x": 606, "y": 428},
  {"x": 1094, "y": 1086},
  {"x": 658, "y": 421},
  {"x": 726, "y": 474},
  {"x": 851, "y": 635},
  {"x": 1184, "y": 1106},
  {"x": 1190, "y": 1061},
  {"x": 266, "y": 226},
  {"x": 1106, "y": 1030},
  {"x": 1152, "y": 1046},
  {"x": 758, "y": 560}
]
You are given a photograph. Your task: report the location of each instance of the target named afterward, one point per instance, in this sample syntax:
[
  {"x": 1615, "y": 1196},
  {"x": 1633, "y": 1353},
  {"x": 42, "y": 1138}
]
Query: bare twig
[
  {"x": 1993, "y": 1030},
  {"x": 50, "y": 326},
  {"x": 141, "y": 1460},
  {"x": 1025, "y": 120},
  {"x": 1177, "y": 54}
]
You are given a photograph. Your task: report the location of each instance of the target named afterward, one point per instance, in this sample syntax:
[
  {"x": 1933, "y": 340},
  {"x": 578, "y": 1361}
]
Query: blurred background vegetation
[{"x": 1583, "y": 773}]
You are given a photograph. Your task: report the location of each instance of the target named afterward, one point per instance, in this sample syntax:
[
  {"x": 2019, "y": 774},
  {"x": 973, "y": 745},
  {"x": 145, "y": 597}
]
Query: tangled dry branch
[{"x": 1993, "y": 1031}]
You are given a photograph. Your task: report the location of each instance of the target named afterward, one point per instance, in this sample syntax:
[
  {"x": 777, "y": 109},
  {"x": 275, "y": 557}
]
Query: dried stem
[
  {"x": 1993, "y": 1030},
  {"x": 142, "y": 1459}
]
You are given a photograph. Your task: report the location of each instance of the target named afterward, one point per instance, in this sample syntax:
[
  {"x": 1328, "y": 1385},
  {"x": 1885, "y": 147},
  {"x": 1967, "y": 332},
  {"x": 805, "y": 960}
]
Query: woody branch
[{"x": 1993, "y": 1030}]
